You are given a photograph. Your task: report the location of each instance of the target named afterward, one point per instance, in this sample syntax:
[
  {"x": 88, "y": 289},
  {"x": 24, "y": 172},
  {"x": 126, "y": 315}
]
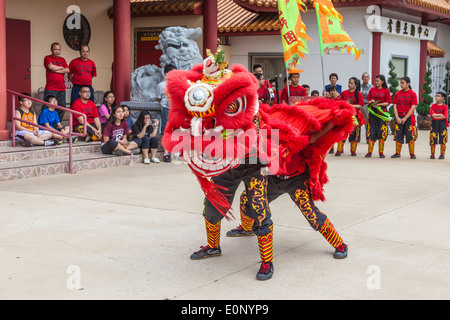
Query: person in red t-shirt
[
  {"x": 257, "y": 68},
  {"x": 439, "y": 125},
  {"x": 295, "y": 90},
  {"x": 86, "y": 106},
  {"x": 56, "y": 67},
  {"x": 263, "y": 91},
  {"x": 82, "y": 70},
  {"x": 377, "y": 129},
  {"x": 405, "y": 103},
  {"x": 355, "y": 97}
]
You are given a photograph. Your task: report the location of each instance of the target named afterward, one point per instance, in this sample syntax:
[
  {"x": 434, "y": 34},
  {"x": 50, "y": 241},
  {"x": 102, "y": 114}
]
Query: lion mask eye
[{"x": 236, "y": 107}]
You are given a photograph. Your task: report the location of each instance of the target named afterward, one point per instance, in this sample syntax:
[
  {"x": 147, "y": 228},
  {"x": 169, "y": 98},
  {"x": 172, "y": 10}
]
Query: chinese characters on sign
[
  {"x": 408, "y": 28},
  {"x": 405, "y": 29}
]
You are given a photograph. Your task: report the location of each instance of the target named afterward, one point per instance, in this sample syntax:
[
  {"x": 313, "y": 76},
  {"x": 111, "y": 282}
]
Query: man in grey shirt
[
  {"x": 365, "y": 88},
  {"x": 162, "y": 99}
]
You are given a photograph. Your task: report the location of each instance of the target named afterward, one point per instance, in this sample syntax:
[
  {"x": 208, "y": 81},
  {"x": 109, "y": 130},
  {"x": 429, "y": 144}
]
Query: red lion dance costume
[{"x": 226, "y": 138}]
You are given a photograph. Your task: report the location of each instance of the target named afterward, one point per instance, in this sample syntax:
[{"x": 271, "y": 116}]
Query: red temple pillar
[
  {"x": 423, "y": 59},
  {"x": 122, "y": 50},
  {"x": 209, "y": 26},
  {"x": 376, "y": 55},
  {"x": 4, "y": 133}
]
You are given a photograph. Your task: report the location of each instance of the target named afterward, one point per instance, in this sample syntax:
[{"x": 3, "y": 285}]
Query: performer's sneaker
[
  {"x": 413, "y": 156},
  {"x": 395, "y": 155},
  {"x": 368, "y": 155},
  {"x": 432, "y": 156},
  {"x": 338, "y": 153},
  {"x": 441, "y": 157},
  {"x": 331, "y": 151},
  {"x": 239, "y": 232},
  {"x": 206, "y": 252},
  {"x": 341, "y": 252},
  {"x": 382, "y": 156},
  {"x": 265, "y": 271},
  {"x": 353, "y": 154}
]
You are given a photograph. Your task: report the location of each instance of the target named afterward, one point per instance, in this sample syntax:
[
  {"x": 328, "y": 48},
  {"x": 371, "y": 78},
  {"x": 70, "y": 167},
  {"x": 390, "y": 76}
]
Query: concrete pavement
[{"x": 127, "y": 233}]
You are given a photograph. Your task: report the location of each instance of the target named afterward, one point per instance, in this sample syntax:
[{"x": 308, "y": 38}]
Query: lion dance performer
[{"x": 226, "y": 138}]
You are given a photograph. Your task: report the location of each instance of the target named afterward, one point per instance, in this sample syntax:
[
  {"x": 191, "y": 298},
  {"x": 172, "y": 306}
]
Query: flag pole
[
  {"x": 287, "y": 84},
  {"x": 321, "y": 46}
]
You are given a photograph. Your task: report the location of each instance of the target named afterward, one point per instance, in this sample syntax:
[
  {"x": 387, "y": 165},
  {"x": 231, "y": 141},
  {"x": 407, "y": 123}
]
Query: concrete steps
[{"x": 21, "y": 162}]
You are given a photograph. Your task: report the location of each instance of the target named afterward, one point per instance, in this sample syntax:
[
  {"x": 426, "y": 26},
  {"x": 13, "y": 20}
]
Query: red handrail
[{"x": 69, "y": 136}]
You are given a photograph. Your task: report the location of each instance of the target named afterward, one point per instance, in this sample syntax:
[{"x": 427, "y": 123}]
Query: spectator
[
  {"x": 115, "y": 135},
  {"x": 126, "y": 112},
  {"x": 108, "y": 104},
  {"x": 365, "y": 88},
  {"x": 405, "y": 103},
  {"x": 307, "y": 88},
  {"x": 333, "y": 82},
  {"x": 275, "y": 91},
  {"x": 49, "y": 118},
  {"x": 86, "y": 106},
  {"x": 56, "y": 67},
  {"x": 257, "y": 68},
  {"x": 162, "y": 99},
  {"x": 353, "y": 96},
  {"x": 82, "y": 70},
  {"x": 144, "y": 134},
  {"x": 379, "y": 96},
  {"x": 28, "y": 134},
  {"x": 295, "y": 90},
  {"x": 315, "y": 93},
  {"x": 333, "y": 94},
  {"x": 439, "y": 125},
  {"x": 286, "y": 80},
  {"x": 263, "y": 91}
]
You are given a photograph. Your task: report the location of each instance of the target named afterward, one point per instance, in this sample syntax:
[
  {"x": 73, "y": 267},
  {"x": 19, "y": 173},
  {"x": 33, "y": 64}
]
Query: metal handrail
[{"x": 69, "y": 136}]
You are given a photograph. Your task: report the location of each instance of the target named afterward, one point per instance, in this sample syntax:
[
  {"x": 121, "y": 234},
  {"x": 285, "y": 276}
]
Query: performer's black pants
[
  {"x": 256, "y": 188},
  {"x": 438, "y": 132},
  {"x": 406, "y": 130},
  {"x": 299, "y": 190},
  {"x": 377, "y": 128}
]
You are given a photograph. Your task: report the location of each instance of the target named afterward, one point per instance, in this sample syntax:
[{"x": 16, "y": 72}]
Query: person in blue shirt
[
  {"x": 49, "y": 118},
  {"x": 333, "y": 82}
]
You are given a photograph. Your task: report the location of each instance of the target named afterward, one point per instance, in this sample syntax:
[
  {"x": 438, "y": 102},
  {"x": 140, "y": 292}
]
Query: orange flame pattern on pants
[
  {"x": 266, "y": 246},
  {"x": 381, "y": 143},
  {"x": 246, "y": 222},
  {"x": 213, "y": 234},
  {"x": 371, "y": 146},
  {"x": 412, "y": 146},
  {"x": 329, "y": 232},
  {"x": 353, "y": 146},
  {"x": 398, "y": 147}
]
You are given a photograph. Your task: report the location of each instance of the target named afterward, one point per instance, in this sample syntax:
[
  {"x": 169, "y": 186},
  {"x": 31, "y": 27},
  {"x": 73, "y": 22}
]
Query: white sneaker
[
  {"x": 155, "y": 160},
  {"x": 147, "y": 161}
]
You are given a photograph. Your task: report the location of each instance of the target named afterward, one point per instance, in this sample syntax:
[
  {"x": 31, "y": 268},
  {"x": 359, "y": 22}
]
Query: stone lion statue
[{"x": 179, "y": 48}]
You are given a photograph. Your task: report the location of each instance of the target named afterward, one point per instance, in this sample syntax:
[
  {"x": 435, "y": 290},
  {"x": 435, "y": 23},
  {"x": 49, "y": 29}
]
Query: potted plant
[
  {"x": 393, "y": 88},
  {"x": 423, "y": 109},
  {"x": 446, "y": 87}
]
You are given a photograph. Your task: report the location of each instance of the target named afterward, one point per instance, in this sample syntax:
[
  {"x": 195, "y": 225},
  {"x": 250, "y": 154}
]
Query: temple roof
[
  {"x": 434, "y": 51},
  {"x": 237, "y": 17}
]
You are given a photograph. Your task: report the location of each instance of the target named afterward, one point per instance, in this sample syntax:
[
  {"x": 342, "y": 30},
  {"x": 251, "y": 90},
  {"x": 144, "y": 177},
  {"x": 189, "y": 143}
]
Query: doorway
[{"x": 18, "y": 57}]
